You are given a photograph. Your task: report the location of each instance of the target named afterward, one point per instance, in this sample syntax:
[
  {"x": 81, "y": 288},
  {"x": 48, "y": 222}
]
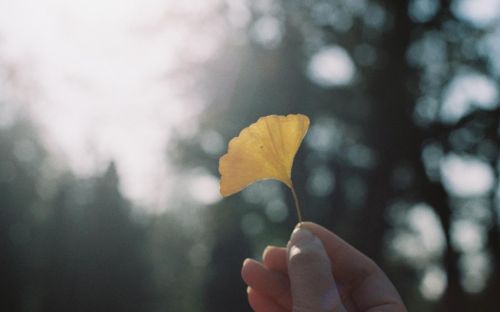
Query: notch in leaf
[{"x": 264, "y": 150}]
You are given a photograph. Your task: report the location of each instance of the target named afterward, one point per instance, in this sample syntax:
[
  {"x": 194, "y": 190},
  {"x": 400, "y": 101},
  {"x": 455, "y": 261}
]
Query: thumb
[{"x": 309, "y": 268}]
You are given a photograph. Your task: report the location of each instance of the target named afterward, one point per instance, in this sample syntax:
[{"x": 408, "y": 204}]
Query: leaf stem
[{"x": 297, "y": 206}]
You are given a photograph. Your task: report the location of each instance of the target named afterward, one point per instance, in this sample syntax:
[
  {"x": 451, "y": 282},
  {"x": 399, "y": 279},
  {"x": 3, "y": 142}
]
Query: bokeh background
[{"x": 113, "y": 115}]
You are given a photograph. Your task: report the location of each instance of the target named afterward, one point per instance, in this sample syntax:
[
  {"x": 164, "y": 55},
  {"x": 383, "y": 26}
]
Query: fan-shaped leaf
[{"x": 264, "y": 150}]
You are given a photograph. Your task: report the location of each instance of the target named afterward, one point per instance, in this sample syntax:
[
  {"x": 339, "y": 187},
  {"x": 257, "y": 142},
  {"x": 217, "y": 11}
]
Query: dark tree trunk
[{"x": 391, "y": 131}]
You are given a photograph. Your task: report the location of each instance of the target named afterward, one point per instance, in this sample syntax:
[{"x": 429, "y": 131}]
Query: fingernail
[
  {"x": 298, "y": 226},
  {"x": 246, "y": 261},
  {"x": 265, "y": 252},
  {"x": 301, "y": 235}
]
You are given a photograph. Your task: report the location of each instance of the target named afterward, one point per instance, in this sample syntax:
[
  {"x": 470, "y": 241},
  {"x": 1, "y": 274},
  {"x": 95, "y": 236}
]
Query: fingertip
[
  {"x": 301, "y": 235},
  {"x": 297, "y": 226},
  {"x": 272, "y": 284},
  {"x": 262, "y": 303},
  {"x": 275, "y": 258},
  {"x": 265, "y": 252},
  {"x": 246, "y": 268},
  {"x": 311, "y": 226}
]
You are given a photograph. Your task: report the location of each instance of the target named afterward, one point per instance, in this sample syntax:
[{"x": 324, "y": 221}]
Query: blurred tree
[
  {"x": 20, "y": 162},
  {"x": 111, "y": 261},
  {"x": 179, "y": 254},
  {"x": 223, "y": 285},
  {"x": 378, "y": 141},
  {"x": 59, "y": 279}
]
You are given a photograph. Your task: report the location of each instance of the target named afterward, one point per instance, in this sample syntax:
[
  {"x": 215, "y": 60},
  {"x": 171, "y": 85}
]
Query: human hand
[{"x": 318, "y": 272}]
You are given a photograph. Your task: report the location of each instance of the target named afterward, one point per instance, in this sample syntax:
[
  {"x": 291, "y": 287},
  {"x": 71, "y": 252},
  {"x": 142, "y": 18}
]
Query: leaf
[{"x": 264, "y": 150}]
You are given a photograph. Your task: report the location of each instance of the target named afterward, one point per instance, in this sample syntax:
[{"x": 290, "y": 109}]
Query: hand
[{"x": 318, "y": 272}]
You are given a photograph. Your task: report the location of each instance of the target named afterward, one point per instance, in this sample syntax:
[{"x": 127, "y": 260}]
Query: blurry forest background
[{"x": 402, "y": 159}]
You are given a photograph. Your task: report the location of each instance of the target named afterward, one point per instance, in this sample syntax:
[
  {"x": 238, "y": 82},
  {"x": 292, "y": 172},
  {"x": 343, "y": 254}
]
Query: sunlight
[
  {"x": 421, "y": 239},
  {"x": 481, "y": 13},
  {"x": 468, "y": 236},
  {"x": 106, "y": 81},
  {"x": 331, "y": 66},
  {"x": 321, "y": 181},
  {"x": 476, "y": 268},
  {"x": 423, "y": 10},
  {"x": 204, "y": 187},
  {"x": 433, "y": 283},
  {"x": 466, "y": 176},
  {"x": 467, "y": 92},
  {"x": 267, "y": 31},
  {"x": 276, "y": 210}
]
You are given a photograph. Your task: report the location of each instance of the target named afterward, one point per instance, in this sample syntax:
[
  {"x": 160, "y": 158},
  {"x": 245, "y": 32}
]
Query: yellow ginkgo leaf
[{"x": 264, "y": 150}]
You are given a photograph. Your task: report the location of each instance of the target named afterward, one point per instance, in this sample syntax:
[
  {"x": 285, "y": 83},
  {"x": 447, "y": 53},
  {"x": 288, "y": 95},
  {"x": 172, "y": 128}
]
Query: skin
[{"x": 318, "y": 272}]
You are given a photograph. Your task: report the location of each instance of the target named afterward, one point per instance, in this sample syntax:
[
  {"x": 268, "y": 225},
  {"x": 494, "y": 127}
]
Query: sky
[{"x": 107, "y": 80}]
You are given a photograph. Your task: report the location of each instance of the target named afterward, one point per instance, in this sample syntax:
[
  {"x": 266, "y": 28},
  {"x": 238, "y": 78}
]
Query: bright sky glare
[
  {"x": 331, "y": 66},
  {"x": 466, "y": 176},
  {"x": 433, "y": 282},
  {"x": 106, "y": 80},
  {"x": 422, "y": 240},
  {"x": 467, "y": 92},
  {"x": 481, "y": 13}
]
